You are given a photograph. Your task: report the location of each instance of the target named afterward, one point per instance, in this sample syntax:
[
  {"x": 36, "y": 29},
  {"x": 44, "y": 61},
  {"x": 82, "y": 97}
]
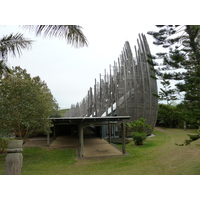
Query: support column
[
  {"x": 81, "y": 140},
  {"x": 123, "y": 137},
  {"x": 48, "y": 142},
  {"x": 54, "y": 132},
  {"x": 109, "y": 133}
]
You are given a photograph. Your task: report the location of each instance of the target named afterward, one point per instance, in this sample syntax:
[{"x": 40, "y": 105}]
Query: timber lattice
[{"x": 127, "y": 90}]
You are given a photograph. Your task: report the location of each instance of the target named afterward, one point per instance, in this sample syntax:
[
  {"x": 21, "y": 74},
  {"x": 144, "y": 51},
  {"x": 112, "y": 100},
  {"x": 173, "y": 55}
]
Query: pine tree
[
  {"x": 182, "y": 59},
  {"x": 167, "y": 93}
]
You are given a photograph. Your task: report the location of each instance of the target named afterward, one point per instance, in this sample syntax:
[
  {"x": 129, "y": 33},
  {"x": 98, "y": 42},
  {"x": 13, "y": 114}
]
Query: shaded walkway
[
  {"x": 64, "y": 142},
  {"x": 81, "y": 122},
  {"x": 96, "y": 147},
  {"x": 93, "y": 147}
]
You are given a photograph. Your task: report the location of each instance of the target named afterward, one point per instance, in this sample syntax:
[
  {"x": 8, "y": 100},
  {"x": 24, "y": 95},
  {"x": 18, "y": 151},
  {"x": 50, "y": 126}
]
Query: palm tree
[
  {"x": 72, "y": 33},
  {"x": 13, "y": 44}
]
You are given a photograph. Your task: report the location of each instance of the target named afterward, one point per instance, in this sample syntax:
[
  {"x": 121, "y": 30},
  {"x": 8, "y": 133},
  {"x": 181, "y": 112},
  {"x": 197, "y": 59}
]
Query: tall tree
[
  {"x": 166, "y": 92},
  {"x": 72, "y": 33},
  {"x": 25, "y": 104},
  {"x": 183, "y": 54},
  {"x": 169, "y": 116}
]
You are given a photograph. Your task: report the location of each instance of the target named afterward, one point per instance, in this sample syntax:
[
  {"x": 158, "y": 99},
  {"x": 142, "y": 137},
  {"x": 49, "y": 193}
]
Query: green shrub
[
  {"x": 193, "y": 137},
  {"x": 139, "y": 126},
  {"x": 186, "y": 142},
  {"x": 3, "y": 144},
  {"x": 139, "y": 137}
]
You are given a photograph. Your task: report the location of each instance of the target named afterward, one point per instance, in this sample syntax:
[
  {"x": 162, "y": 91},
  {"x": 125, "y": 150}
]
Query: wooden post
[
  {"x": 81, "y": 140},
  {"x": 111, "y": 92},
  {"x": 14, "y": 157},
  {"x": 95, "y": 98},
  {"x": 125, "y": 85},
  {"x": 109, "y": 133},
  {"x": 91, "y": 103},
  {"x": 54, "y": 132},
  {"x": 185, "y": 126},
  {"x": 100, "y": 96},
  {"x": 48, "y": 141},
  {"x": 123, "y": 138}
]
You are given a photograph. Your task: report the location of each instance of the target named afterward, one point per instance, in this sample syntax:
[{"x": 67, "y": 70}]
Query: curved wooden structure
[{"x": 128, "y": 89}]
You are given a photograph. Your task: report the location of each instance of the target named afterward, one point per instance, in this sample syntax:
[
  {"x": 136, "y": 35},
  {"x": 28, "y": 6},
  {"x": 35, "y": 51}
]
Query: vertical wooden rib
[
  {"x": 95, "y": 97},
  {"x": 153, "y": 86}
]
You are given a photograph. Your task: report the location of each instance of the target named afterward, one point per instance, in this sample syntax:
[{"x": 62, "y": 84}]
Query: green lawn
[
  {"x": 62, "y": 112},
  {"x": 158, "y": 155}
]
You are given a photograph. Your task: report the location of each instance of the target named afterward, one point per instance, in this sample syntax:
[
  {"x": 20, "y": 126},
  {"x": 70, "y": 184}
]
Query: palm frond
[
  {"x": 13, "y": 44},
  {"x": 72, "y": 33}
]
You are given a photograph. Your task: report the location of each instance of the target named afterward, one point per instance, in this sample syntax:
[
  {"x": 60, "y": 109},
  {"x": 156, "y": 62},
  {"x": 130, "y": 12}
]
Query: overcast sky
[{"x": 69, "y": 71}]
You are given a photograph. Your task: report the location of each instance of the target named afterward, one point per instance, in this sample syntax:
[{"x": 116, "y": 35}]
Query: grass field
[
  {"x": 62, "y": 112},
  {"x": 158, "y": 155}
]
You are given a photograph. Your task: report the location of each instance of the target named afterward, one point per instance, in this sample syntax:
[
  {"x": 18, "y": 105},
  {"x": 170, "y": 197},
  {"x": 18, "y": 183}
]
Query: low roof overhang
[{"x": 87, "y": 121}]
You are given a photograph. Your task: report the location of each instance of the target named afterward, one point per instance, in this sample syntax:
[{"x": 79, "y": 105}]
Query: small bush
[
  {"x": 139, "y": 137},
  {"x": 186, "y": 142},
  {"x": 139, "y": 126},
  {"x": 193, "y": 137},
  {"x": 3, "y": 144}
]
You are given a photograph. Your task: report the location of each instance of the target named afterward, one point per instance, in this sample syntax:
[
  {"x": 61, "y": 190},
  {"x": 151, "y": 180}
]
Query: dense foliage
[
  {"x": 139, "y": 137},
  {"x": 168, "y": 116},
  {"x": 139, "y": 129},
  {"x": 4, "y": 144},
  {"x": 181, "y": 63},
  {"x": 176, "y": 116},
  {"x": 140, "y": 126},
  {"x": 25, "y": 104}
]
